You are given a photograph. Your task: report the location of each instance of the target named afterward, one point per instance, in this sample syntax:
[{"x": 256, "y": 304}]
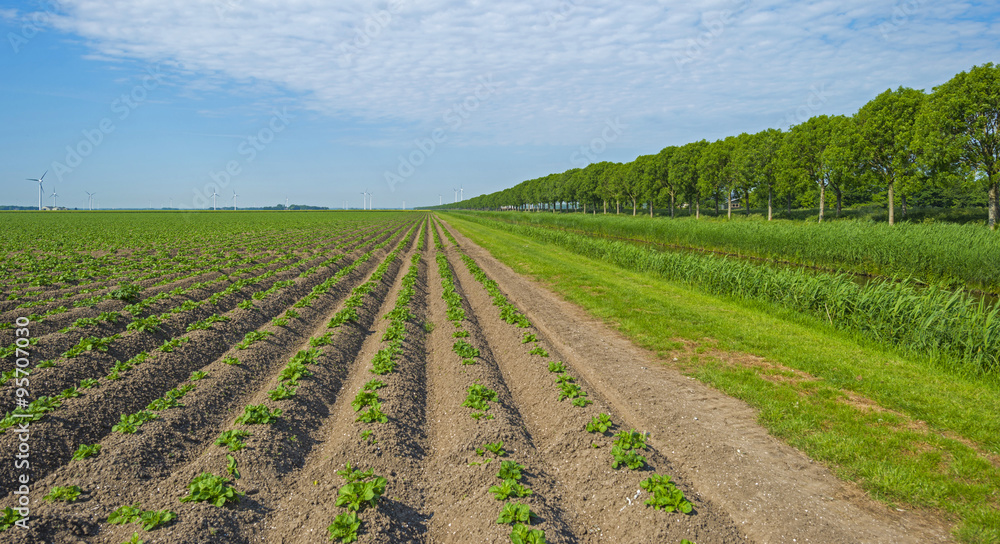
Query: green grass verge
[{"x": 931, "y": 442}]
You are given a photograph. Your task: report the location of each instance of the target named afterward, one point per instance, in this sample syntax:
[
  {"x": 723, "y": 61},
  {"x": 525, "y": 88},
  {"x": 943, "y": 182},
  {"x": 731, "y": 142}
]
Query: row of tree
[{"x": 903, "y": 142}]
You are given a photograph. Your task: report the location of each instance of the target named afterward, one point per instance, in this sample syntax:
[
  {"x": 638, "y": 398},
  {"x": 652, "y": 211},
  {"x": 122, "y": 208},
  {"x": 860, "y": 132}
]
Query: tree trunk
[
  {"x": 618, "y": 207},
  {"x": 748, "y": 204},
  {"x": 903, "y": 199},
  {"x": 650, "y": 209},
  {"x": 605, "y": 207},
  {"x": 729, "y": 206},
  {"x": 770, "y": 197},
  {"x": 633, "y": 206},
  {"x": 840, "y": 198},
  {"x": 892, "y": 207},
  {"x": 697, "y": 209},
  {"x": 673, "y": 196},
  {"x": 993, "y": 205},
  {"x": 717, "y": 204},
  {"x": 822, "y": 201}
]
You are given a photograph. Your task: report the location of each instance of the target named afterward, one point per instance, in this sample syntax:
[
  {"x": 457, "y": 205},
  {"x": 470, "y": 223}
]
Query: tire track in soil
[
  {"x": 606, "y": 502},
  {"x": 88, "y": 419},
  {"x": 772, "y": 491},
  {"x": 167, "y": 448},
  {"x": 457, "y": 492},
  {"x": 306, "y": 506}
]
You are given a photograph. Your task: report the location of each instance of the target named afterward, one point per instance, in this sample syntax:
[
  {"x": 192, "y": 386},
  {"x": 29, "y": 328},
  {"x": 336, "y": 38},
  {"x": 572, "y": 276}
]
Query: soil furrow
[
  {"x": 459, "y": 480},
  {"x": 306, "y": 505},
  {"x": 771, "y": 491},
  {"x": 581, "y": 460},
  {"x": 100, "y": 408}
]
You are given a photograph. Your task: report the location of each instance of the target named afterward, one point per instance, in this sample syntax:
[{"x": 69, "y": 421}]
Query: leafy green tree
[
  {"x": 684, "y": 171},
  {"x": 840, "y": 158},
  {"x": 744, "y": 176},
  {"x": 757, "y": 160},
  {"x": 667, "y": 183},
  {"x": 586, "y": 182},
  {"x": 959, "y": 125},
  {"x": 640, "y": 182},
  {"x": 605, "y": 191},
  {"x": 612, "y": 184},
  {"x": 805, "y": 156},
  {"x": 884, "y": 134},
  {"x": 716, "y": 171}
]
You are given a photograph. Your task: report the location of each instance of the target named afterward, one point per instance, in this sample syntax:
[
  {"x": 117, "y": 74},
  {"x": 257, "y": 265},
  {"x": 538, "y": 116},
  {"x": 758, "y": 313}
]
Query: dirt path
[{"x": 772, "y": 492}]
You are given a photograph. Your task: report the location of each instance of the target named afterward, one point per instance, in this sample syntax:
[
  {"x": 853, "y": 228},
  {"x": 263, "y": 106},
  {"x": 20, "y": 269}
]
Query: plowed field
[{"x": 397, "y": 322}]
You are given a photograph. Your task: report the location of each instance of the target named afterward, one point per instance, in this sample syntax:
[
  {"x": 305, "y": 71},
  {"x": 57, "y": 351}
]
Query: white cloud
[{"x": 563, "y": 66}]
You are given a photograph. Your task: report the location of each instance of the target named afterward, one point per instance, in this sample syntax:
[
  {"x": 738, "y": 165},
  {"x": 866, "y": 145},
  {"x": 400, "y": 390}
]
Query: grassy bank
[
  {"x": 958, "y": 333},
  {"x": 910, "y": 433}
]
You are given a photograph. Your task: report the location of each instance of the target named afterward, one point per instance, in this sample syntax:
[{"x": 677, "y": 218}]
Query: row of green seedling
[
  {"x": 511, "y": 487},
  {"x": 288, "y": 382},
  {"x": 150, "y": 323},
  {"x": 44, "y": 405}
]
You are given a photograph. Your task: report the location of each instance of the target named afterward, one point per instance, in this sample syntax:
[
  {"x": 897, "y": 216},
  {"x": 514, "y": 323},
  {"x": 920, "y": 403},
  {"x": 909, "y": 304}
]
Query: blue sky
[{"x": 150, "y": 102}]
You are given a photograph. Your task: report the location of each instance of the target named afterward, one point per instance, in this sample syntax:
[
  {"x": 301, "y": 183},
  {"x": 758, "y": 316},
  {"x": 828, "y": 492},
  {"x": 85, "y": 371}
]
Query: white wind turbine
[
  {"x": 461, "y": 192},
  {"x": 234, "y": 199},
  {"x": 39, "y": 180},
  {"x": 364, "y": 200},
  {"x": 439, "y": 199},
  {"x": 214, "y": 194},
  {"x": 54, "y": 198},
  {"x": 90, "y": 199},
  {"x": 456, "y": 195}
]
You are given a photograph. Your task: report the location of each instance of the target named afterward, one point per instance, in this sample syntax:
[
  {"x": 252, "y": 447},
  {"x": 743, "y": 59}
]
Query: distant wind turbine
[
  {"x": 234, "y": 199},
  {"x": 286, "y": 202},
  {"x": 461, "y": 192},
  {"x": 456, "y": 196},
  {"x": 54, "y": 198},
  {"x": 90, "y": 199},
  {"x": 39, "y": 180},
  {"x": 439, "y": 199},
  {"x": 214, "y": 194},
  {"x": 364, "y": 200}
]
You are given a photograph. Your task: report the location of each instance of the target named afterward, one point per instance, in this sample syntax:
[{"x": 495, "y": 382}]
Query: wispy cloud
[{"x": 564, "y": 65}]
